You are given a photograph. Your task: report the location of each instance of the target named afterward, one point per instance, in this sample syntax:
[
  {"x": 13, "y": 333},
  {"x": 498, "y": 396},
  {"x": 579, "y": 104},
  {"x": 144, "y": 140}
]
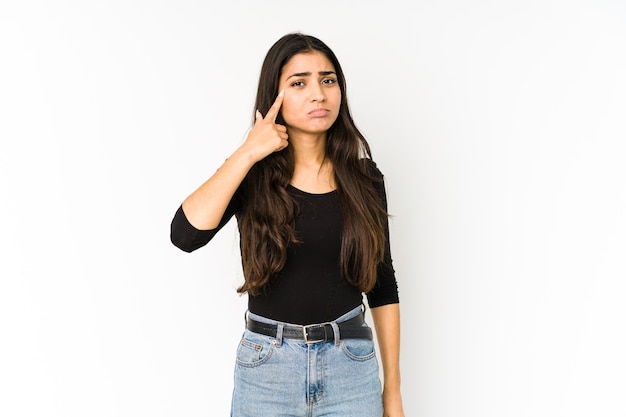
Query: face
[{"x": 312, "y": 94}]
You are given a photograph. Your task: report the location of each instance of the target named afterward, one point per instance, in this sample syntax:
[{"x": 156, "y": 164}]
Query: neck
[
  {"x": 308, "y": 149},
  {"x": 312, "y": 172}
]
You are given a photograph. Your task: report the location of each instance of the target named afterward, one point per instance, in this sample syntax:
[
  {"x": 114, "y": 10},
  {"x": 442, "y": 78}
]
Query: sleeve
[
  {"x": 386, "y": 289},
  {"x": 188, "y": 238}
]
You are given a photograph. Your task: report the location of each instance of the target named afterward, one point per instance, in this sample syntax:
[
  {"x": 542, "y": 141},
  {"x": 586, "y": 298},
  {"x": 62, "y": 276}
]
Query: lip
[{"x": 319, "y": 113}]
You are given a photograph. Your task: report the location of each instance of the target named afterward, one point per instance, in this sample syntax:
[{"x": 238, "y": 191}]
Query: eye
[
  {"x": 329, "y": 81},
  {"x": 297, "y": 84}
]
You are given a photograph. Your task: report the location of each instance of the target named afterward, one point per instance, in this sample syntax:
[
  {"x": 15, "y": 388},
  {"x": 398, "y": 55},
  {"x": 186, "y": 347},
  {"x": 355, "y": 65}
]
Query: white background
[{"x": 499, "y": 127}]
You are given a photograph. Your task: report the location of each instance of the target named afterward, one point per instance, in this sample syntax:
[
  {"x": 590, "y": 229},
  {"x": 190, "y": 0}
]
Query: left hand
[{"x": 392, "y": 404}]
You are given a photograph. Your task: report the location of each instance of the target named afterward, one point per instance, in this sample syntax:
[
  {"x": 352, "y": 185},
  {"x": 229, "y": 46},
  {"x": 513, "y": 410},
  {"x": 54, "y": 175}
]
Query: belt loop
[
  {"x": 335, "y": 327},
  {"x": 279, "y": 334}
]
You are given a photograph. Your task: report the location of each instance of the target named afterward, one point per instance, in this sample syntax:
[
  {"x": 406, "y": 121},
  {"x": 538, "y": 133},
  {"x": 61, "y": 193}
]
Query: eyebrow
[{"x": 307, "y": 74}]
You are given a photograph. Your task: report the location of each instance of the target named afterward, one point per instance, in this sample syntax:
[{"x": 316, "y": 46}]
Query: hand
[
  {"x": 266, "y": 136},
  {"x": 392, "y": 404}
]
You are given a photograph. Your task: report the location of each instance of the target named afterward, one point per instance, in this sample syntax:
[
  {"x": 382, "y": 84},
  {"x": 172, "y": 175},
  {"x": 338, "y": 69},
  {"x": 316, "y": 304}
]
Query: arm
[
  {"x": 387, "y": 324},
  {"x": 384, "y": 305},
  {"x": 205, "y": 207}
]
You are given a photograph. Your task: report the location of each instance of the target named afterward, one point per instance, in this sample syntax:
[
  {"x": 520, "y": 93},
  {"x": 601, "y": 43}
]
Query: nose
[{"x": 317, "y": 94}]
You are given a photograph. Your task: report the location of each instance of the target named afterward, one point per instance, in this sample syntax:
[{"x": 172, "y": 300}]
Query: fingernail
[{"x": 282, "y": 93}]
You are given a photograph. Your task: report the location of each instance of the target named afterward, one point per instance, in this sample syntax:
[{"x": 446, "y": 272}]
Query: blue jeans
[{"x": 280, "y": 377}]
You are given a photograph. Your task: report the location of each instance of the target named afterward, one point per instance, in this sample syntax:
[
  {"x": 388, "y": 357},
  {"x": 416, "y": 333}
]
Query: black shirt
[{"x": 309, "y": 289}]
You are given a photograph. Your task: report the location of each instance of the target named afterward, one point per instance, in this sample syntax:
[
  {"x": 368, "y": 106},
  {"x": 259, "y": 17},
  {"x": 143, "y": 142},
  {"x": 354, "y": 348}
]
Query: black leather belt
[{"x": 313, "y": 333}]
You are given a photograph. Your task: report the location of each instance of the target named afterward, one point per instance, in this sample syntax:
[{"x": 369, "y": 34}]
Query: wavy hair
[{"x": 267, "y": 220}]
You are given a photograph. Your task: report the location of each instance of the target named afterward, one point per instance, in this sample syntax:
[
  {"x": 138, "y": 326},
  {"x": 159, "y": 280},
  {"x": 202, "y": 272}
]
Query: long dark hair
[{"x": 266, "y": 222}]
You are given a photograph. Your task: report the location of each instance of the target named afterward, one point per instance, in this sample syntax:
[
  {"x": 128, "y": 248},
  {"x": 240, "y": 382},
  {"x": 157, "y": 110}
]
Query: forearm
[
  {"x": 205, "y": 207},
  {"x": 387, "y": 324}
]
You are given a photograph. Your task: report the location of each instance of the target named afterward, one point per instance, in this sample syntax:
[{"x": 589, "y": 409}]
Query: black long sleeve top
[{"x": 309, "y": 289}]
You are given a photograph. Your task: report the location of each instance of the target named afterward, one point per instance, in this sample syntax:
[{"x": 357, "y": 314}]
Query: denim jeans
[{"x": 280, "y": 377}]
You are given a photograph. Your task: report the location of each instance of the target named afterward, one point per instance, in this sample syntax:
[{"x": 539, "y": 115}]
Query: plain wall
[{"x": 499, "y": 127}]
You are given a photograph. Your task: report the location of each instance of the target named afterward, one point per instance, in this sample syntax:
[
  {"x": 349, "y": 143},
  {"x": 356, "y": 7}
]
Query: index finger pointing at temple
[{"x": 272, "y": 113}]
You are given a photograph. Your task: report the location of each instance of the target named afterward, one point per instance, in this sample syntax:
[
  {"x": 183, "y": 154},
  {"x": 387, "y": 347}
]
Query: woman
[{"x": 311, "y": 210}]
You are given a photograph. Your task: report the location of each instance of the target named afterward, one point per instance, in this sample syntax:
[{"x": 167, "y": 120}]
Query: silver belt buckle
[{"x": 305, "y": 334}]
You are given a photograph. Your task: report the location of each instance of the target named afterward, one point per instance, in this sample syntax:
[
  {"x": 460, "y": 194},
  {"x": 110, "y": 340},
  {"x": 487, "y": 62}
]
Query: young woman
[{"x": 311, "y": 209}]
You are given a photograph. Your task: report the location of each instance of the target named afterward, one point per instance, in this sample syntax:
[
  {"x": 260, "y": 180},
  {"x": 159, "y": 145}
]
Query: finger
[{"x": 272, "y": 113}]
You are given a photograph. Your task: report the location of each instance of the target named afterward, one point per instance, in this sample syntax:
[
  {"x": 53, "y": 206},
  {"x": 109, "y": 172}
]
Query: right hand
[{"x": 266, "y": 136}]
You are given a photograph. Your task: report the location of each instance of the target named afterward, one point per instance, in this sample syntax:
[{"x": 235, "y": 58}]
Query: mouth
[{"x": 319, "y": 113}]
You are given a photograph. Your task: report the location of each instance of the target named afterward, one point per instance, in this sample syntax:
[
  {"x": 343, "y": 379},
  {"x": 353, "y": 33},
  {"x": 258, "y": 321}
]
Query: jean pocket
[
  {"x": 358, "y": 349},
  {"x": 253, "y": 350}
]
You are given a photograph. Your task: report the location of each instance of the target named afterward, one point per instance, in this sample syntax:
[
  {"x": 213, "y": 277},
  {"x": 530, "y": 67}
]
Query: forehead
[{"x": 312, "y": 62}]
